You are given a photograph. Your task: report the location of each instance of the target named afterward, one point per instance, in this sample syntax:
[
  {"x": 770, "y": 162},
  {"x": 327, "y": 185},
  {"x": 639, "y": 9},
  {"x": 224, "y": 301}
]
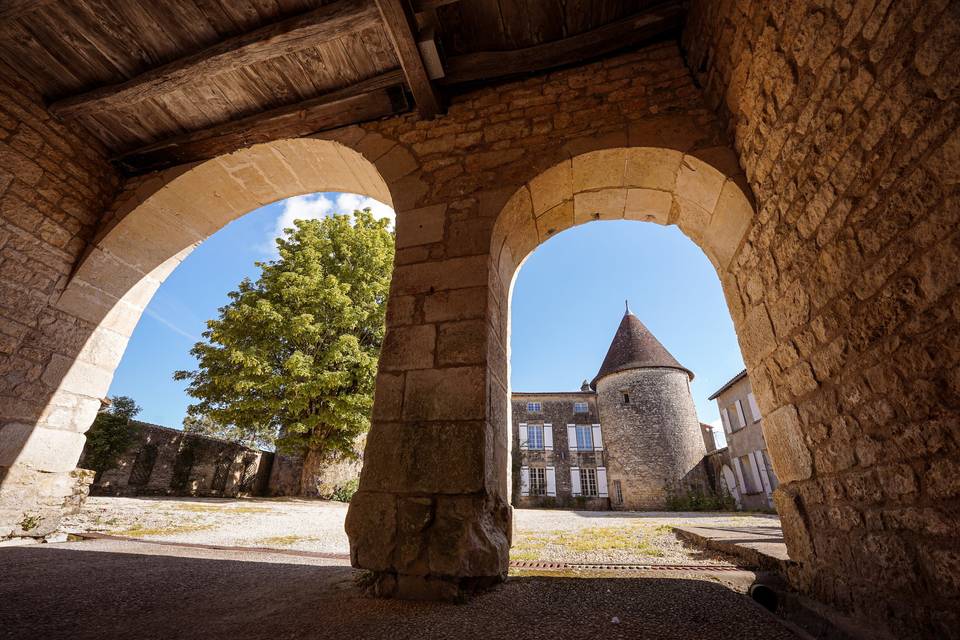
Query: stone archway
[
  {"x": 432, "y": 516},
  {"x": 150, "y": 230},
  {"x": 703, "y": 193}
]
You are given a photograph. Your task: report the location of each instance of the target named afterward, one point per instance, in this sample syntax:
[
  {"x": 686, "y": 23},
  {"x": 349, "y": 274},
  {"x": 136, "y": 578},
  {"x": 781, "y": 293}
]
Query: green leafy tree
[
  {"x": 293, "y": 356},
  {"x": 204, "y": 425},
  {"x": 111, "y": 434}
]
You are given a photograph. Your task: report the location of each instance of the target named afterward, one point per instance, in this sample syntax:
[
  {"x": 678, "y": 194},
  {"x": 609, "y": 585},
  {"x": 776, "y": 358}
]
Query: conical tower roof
[{"x": 634, "y": 347}]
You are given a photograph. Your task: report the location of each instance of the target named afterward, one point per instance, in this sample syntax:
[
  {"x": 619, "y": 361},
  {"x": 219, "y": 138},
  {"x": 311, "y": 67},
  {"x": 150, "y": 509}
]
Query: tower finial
[{"x": 627, "y": 305}]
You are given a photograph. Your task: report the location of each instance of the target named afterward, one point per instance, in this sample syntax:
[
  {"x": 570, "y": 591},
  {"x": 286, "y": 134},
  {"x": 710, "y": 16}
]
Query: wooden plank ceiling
[{"x": 161, "y": 83}]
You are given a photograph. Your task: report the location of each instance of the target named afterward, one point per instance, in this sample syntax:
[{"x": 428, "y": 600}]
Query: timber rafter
[{"x": 286, "y": 36}]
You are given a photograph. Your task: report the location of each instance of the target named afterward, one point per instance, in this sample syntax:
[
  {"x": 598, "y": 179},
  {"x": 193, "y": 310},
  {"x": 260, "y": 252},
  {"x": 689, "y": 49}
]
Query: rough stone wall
[
  {"x": 186, "y": 465},
  {"x": 653, "y": 443},
  {"x": 54, "y": 184},
  {"x": 558, "y": 411},
  {"x": 845, "y": 116}
]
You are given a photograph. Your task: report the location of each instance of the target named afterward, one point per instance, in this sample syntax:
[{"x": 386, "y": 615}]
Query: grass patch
[
  {"x": 628, "y": 539},
  {"x": 212, "y": 508},
  {"x": 284, "y": 541},
  {"x": 139, "y": 531}
]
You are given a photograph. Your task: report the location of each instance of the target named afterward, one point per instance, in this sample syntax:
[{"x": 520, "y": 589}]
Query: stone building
[
  {"x": 752, "y": 472},
  {"x": 627, "y": 440},
  {"x": 810, "y": 149}
]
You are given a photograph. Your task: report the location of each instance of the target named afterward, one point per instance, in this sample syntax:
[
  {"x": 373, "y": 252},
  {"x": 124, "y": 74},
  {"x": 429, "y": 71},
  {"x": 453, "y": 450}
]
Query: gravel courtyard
[{"x": 317, "y": 526}]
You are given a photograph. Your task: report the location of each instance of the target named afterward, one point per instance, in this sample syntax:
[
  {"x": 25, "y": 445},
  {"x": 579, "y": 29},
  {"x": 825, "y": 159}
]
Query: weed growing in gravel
[
  {"x": 139, "y": 531},
  {"x": 213, "y": 508},
  {"x": 284, "y": 541},
  {"x": 532, "y": 546}
]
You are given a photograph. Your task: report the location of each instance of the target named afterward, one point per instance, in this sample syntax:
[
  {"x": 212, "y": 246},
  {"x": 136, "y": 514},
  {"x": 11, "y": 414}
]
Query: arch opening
[
  {"x": 151, "y": 228},
  {"x": 704, "y": 194}
]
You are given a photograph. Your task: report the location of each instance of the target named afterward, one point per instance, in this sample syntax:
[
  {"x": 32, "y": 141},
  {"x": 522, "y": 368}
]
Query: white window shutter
[
  {"x": 551, "y": 481},
  {"x": 736, "y": 467},
  {"x": 572, "y": 437},
  {"x": 743, "y": 420},
  {"x": 575, "y": 481},
  {"x": 524, "y": 443},
  {"x": 757, "y": 463},
  {"x": 754, "y": 407},
  {"x": 725, "y": 419},
  {"x": 548, "y": 437},
  {"x": 597, "y": 438},
  {"x": 602, "y": 481},
  {"x": 524, "y": 481}
]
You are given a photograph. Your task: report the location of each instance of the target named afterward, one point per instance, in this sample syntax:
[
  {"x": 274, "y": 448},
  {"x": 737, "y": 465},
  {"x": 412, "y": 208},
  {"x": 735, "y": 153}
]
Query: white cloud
[{"x": 319, "y": 205}]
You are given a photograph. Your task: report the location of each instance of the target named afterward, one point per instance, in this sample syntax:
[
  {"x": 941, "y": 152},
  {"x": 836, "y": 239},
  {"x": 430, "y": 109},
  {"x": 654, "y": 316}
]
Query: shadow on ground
[{"x": 109, "y": 589}]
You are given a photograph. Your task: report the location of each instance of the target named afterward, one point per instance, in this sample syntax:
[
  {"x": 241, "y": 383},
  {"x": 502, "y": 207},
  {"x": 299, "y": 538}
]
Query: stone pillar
[
  {"x": 54, "y": 185},
  {"x": 432, "y": 517}
]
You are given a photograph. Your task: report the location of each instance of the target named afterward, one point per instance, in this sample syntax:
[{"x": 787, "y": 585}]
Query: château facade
[{"x": 629, "y": 439}]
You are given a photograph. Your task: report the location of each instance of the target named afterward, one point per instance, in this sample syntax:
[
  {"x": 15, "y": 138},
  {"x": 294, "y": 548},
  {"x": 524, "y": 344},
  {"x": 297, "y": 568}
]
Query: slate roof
[{"x": 634, "y": 347}]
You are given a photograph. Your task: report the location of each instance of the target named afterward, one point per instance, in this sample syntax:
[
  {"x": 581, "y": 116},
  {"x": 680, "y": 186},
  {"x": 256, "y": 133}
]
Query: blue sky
[{"x": 567, "y": 303}]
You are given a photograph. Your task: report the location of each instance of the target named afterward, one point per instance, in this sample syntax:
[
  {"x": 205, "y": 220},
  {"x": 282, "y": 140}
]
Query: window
[
  {"x": 538, "y": 481},
  {"x": 736, "y": 417},
  {"x": 617, "y": 492},
  {"x": 746, "y": 470},
  {"x": 588, "y": 482},
  {"x": 580, "y": 407},
  {"x": 740, "y": 415},
  {"x": 754, "y": 407},
  {"x": 771, "y": 476},
  {"x": 626, "y": 398},
  {"x": 584, "y": 437},
  {"x": 534, "y": 407},
  {"x": 535, "y": 436}
]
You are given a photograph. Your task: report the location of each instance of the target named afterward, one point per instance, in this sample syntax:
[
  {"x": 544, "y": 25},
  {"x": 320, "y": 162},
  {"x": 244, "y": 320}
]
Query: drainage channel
[
  {"x": 514, "y": 564},
  {"x": 601, "y": 566}
]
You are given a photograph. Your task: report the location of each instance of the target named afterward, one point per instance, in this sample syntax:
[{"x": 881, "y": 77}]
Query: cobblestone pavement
[
  {"x": 315, "y": 525},
  {"x": 106, "y": 589}
]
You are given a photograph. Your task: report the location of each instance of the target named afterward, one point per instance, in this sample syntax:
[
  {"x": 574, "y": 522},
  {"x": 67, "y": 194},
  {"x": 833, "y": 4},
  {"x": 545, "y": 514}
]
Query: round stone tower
[{"x": 651, "y": 433}]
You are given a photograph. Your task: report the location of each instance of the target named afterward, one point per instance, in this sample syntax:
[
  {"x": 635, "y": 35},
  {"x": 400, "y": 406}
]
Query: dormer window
[{"x": 534, "y": 407}]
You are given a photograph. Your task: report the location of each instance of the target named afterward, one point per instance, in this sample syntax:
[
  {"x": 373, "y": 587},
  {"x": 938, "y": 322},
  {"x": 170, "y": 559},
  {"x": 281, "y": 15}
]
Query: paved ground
[
  {"x": 312, "y": 525},
  {"x": 759, "y": 545},
  {"x": 107, "y": 589}
]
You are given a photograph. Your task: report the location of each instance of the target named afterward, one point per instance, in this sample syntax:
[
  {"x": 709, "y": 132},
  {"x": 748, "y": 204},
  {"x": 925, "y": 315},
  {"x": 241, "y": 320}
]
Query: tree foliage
[
  {"x": 293, "y": 356},
  {"x": 111, "y": 434},
  {"x": 204, "y": 425}
]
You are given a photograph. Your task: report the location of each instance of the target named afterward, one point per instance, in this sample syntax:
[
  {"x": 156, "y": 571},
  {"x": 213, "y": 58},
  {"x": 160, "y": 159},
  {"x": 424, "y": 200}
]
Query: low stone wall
[{"x": 164, "y": 461}]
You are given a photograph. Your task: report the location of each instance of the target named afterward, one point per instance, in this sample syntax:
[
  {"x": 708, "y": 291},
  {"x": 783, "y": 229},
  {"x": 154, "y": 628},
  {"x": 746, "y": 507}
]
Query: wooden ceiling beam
[
  {"x": 419, "y": 6},
  {"x": 326, "y": 23},
  {"x": 12, "y": 9},
  {"x": 371, "y": 99},
  {"x": 399, "y": 23},
  {"x": 636, "y": 30}
]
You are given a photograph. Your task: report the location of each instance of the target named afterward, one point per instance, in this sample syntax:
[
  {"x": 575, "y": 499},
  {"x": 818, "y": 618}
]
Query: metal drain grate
[{"x": 532, "y": 564}]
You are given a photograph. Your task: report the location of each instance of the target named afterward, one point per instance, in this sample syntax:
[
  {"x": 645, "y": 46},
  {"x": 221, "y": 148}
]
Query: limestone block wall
[
  {"x": 185, "y": 465},
  {"x": 653, "y": 443},
  {"x": 845, "y": 118},
  {"x": 54, "y": 184}
]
